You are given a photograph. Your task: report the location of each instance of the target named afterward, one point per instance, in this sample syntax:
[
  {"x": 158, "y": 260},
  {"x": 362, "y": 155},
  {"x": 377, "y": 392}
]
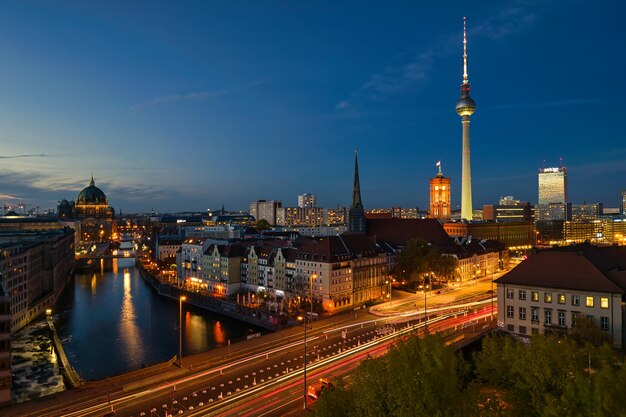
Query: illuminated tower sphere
[
  {"x": 465, "y": 108},
  {"x": 440, "y": 196}
]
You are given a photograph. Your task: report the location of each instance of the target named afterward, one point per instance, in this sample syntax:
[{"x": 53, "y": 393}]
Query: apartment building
[{"x": 549, "y": 290}]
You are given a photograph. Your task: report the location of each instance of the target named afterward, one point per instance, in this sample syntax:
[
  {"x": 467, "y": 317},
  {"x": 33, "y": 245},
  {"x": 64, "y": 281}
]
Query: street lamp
[
  {"x": 180, "y": 331},
  {"x": 311, "y": 295},
  {"x": 303, "y": 319},
  {"x": 389, "y": 294},
  {"x": 425, "y": 307}
]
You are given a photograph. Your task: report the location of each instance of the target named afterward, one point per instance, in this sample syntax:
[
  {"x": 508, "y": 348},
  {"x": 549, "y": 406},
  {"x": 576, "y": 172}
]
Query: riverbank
[
  {"x": 215, "y": 305},
  {"x": 70, "y": 375}
]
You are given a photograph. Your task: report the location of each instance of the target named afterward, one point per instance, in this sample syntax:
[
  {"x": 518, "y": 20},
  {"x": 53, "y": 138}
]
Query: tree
[
  {"x": 420, "y": 377},
  {"x": 586, "y": 331},
  {"x": 263, "y": 224},
  {"x": 418, "y": 258},
  {"x": 334, "y": 402}
]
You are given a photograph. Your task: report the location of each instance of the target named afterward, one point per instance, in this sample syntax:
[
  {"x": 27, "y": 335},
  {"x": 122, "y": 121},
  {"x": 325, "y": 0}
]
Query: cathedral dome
[{"x": 91, "y": 195}]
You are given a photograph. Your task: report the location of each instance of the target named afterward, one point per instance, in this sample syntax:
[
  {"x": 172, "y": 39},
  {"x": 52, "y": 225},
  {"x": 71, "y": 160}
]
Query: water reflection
[
  {"x": 112, "y": 321},
  {"x": 128, "y": 327}
]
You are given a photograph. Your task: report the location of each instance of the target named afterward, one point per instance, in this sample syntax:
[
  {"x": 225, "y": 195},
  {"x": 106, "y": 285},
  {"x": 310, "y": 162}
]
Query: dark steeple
[
  {"x": 356, "y": 215},
  {"x": 356, "y": 193}
]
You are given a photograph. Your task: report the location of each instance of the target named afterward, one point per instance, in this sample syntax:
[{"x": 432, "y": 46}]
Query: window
[
  {"x": 561, "y": 318},
  {"x": 562, "y": 299},
  {"x": 509, "y": 312},
  {"x": 522, "y": 294},
  {"x": 534, "y": 314},
  {"x": 589, "y": 301},
  {"x": 510, "y": 328},
  {"x": 575, "y": 316},
  {"x": 522, "y": 313},
  {"x": 604, "y": 323},
  {"x": 604, "y": 302},
  {"x": 522, "y": 329},
  {"x": 575, "y": 300},
  {"x": 534, "y": 295},
  {"x": 547, "y": 297},
  {"x": 547, "y": 317},
  {"x": 509, "y": 293}
]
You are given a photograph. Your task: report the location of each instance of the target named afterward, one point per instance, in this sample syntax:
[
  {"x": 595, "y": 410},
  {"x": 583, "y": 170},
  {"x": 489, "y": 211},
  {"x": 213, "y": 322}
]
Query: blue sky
[{"x": 190, "y": 105}]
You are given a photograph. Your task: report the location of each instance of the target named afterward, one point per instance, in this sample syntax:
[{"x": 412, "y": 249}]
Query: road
[{"x": 265, "y": 376}]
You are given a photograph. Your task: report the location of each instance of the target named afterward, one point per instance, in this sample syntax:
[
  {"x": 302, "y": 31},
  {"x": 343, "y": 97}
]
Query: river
[{"x": 111, "y": 321}]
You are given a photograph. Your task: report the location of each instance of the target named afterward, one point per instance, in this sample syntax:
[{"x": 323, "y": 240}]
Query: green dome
[{"x": 91, "y": 195}]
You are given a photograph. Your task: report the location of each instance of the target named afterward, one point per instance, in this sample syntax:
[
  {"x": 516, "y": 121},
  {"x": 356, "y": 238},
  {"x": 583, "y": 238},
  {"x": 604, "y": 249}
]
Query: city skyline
[{"x": 227, "y": 104}]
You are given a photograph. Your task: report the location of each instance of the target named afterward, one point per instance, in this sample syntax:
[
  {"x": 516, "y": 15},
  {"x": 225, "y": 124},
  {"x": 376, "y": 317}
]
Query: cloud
[
  {"x": 8, "y": 197},
  {"x": 41, "y": 155},
  {"x": 507, "y": 21},
  {"x": 343, "y": 104},
  {"x": 196, "y": 96},
  {"x": 397, "y": 79},
  {"x": 407, "y": 76}
]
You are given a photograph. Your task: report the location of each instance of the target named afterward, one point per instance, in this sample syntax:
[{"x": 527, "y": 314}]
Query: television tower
[{"x": 465, "y": 108}]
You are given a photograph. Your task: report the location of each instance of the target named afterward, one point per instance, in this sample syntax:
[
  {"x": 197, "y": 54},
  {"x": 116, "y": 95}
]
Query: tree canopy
[
  {"x": 418, "y": 258},
  {"x": 549, "y": 377}
]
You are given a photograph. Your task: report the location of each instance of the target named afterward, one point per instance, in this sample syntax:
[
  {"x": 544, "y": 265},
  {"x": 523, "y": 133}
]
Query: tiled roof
[
  {"x": 400, "y": 231},
  {"x": 475, "y": 247},
  {"x": 336, "y": 248},
  {"x": 560, "y": 270}
]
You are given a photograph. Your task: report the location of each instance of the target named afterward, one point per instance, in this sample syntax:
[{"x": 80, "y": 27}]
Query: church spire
[
  {"x": 356, "y": 214},
  {"x": 91, "y": 183},
  {"x": 356, "y": 192}
]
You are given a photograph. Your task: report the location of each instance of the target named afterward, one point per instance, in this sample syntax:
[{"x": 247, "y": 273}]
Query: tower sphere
[{"x": 466, "y": 106}]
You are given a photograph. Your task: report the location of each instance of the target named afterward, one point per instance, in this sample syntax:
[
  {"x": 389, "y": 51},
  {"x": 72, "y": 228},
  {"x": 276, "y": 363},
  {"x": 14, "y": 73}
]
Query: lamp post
[
  {"x": 387, "y": 281},
  {"x": 311, "y": 295},
  {"x": 303, "y": 318},
  {"x": 425, "y": 307},
  {"x": 180, "y": 331}
]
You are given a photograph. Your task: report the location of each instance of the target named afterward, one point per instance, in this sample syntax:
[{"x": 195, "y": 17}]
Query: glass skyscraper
[{"x": 552, "y": 185}]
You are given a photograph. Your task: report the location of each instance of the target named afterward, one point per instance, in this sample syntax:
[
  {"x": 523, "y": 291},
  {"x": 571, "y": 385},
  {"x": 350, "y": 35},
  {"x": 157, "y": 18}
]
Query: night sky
[{"x": 190, "y": 105}]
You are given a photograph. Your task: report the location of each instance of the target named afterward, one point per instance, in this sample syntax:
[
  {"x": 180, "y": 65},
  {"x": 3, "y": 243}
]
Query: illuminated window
[
  {"x": 443, "y": 188},
  {"x": 604, "y": 302},
  {"x": 561, "y": 298},
  {"x": 534, "y": 295},
  {"x": 547, "y": 297},
  {"x": 436, "y": 187},
  {"x": 589, "y": 302}
]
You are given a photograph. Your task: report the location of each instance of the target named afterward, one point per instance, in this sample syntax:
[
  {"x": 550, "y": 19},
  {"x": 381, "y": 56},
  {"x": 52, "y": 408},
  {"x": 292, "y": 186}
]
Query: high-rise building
[
  {"x": 622, "y": 200},
  {"x": 553, "y": 185},
  {"x": 465, "y": 107},
  {"x": 263, "y": 209},
  {"x": 440, "y": 196},
  {"x": 586, "y": 212},
  {"x": 553, "y": 211},
  {"x": 307, "y": 200},
  {"x": 356, "y": 215}
]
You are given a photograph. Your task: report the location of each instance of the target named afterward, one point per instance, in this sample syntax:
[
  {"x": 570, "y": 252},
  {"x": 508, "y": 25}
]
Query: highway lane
[
  {"x": 239, "y": 371},
  {"x": 221, "y": 386},
  {"x": 287, "y": 400}
]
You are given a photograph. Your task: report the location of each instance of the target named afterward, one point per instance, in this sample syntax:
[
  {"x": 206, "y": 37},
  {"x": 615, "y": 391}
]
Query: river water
[{"x": 112, "y": 321}]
